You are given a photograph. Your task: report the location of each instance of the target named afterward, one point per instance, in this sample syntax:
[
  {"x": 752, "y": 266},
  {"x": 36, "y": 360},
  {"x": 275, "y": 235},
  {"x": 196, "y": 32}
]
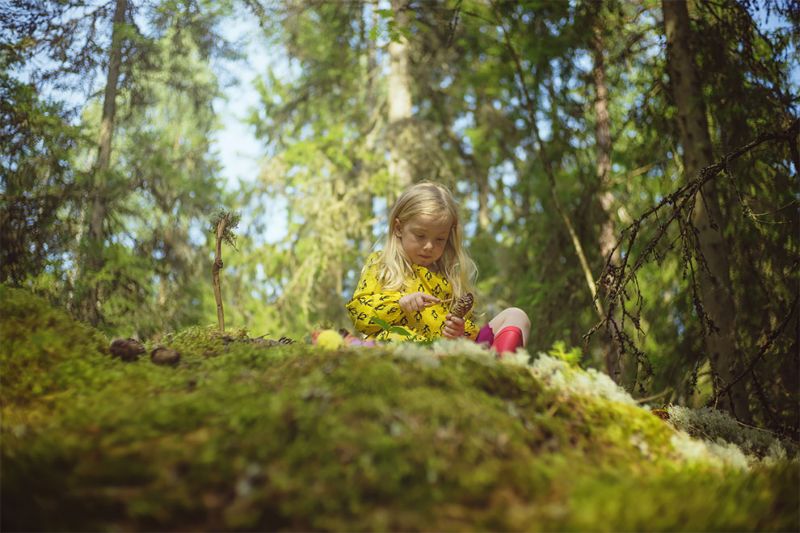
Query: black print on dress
[{"x": 418, "y": 315}]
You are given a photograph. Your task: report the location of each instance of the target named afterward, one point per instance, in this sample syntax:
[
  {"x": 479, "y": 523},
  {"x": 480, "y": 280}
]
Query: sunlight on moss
[{"x": 404, "y": 437}]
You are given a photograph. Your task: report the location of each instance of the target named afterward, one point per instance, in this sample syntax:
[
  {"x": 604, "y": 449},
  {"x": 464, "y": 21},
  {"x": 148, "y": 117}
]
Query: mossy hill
[{"x": 239, "y": 436}]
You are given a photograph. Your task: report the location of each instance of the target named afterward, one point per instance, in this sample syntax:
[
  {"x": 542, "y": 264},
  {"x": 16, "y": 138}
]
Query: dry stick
[
  {"x": 215, "y": 274},
  {"x": 531, "y": 119},
  {"x": 655, "y": 396}
]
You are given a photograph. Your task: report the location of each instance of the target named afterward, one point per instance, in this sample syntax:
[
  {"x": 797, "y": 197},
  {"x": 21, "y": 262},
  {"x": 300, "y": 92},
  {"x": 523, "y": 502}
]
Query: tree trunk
[
  {"x": 622, "y": 370},
  {"x": 93, "y": 261},
  {"x": 697, "y": 152},
  {"x": 477, "y": 167},
  {"x": 603, "y": 140},
  {"x": 399, "y": 100}
]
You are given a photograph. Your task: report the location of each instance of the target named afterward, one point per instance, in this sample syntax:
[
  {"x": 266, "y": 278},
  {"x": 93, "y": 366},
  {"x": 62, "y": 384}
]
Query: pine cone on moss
[
  {"x": 127, "y": 349},
  {"x": 165, "y": 356},
  {"x": 462, "y": 306}
]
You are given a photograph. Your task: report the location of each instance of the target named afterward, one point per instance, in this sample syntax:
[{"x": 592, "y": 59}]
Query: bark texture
[
  {"x": 399, "y": 99},
  {"x": 697, "y": 152},
  {"x": 93, "y": 261},
  {"x": 623, "y": 370}
]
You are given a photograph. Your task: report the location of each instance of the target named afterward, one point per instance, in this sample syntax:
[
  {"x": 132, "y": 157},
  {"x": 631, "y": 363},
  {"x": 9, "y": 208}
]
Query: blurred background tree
[{"x": 557, "y": 124}]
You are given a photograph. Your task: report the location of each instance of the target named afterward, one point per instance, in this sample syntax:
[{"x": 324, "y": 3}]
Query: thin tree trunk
[
  {"x": 603, "y": 140},
  {"x": 370, "y": 76},
  {"x": 481, "y": 172},
  {"x": 697, "y": 152},
  {"x": 623, "y": 371},
  {"x": 93, "y": 261},
  {"x": 483, "y": 201},
  {"x": 399, "y": 99}
]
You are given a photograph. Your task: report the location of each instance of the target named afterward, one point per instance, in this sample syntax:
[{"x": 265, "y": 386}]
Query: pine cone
[
  {"x": 165, "y": 356},
  {"x": 462, "y": 306},
  {"x": 127, "y": 349}
]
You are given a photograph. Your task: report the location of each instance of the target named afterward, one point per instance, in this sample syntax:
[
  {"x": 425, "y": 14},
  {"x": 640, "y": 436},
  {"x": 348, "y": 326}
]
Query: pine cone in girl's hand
[{"x": 462, "y": 306}]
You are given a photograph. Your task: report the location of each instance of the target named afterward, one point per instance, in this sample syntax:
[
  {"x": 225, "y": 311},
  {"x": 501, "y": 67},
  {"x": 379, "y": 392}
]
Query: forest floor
[{"x": 243, "y": 436}]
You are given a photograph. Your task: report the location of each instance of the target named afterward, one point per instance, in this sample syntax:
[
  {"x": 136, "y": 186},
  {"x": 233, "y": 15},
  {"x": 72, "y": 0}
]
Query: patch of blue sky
[
  {"x": 235, "y": 142},
  {"x": 240, "y": 152}
]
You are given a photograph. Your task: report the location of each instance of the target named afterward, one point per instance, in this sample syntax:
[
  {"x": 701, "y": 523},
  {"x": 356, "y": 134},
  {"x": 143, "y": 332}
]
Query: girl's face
[{"x": 423, "y": 238}]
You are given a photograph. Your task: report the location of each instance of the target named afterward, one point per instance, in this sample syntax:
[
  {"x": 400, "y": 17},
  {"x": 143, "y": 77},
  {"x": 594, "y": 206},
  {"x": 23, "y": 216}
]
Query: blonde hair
[{"x": 431, "y": 200}]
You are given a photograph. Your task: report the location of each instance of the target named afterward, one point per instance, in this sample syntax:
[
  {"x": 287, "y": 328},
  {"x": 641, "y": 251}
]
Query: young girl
[{"x": 421, "y": 271}]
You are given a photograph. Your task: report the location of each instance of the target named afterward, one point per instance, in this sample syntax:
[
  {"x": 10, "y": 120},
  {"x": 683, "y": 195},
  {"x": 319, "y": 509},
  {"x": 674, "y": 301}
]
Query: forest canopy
[{"x": 627, "y": 171}]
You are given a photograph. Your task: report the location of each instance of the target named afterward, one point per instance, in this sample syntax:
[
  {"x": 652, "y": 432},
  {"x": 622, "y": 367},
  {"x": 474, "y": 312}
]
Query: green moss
[
  {"x": 250, "y": 438},
  {"x": 38, "y": 339},
  {"x": 202, "y": 341},
  {"x": 689, "y": 500}
]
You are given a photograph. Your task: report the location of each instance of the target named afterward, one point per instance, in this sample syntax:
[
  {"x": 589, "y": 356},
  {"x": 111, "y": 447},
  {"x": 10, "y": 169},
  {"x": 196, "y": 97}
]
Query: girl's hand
[
  {"x": 417, "y": 301},
  {"x": 453, "y": 327}
]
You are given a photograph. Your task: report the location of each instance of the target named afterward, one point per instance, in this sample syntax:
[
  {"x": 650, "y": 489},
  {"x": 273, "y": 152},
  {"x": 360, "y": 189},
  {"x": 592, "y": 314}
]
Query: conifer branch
[{"x": 678, "y": 207}]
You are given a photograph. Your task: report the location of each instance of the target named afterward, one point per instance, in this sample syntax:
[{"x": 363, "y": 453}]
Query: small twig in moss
[{"x": 223, "y": 224}]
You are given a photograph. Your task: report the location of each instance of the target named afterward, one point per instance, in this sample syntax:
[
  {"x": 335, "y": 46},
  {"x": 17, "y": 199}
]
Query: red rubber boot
[{"x": 508, "y": 340}]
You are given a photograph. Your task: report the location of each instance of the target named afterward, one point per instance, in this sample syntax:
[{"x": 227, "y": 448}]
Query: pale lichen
[
  {"x": 720, "y": 429},
  {"x": 558, "y": 374}
]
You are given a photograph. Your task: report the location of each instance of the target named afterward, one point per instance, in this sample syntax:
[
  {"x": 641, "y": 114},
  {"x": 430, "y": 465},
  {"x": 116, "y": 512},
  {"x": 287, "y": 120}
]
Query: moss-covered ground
[{"x": 240, "y": 436}]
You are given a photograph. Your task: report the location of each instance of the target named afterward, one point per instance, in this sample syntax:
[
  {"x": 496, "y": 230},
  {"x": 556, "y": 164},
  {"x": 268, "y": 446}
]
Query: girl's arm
[{"x": 370, "y": 300}]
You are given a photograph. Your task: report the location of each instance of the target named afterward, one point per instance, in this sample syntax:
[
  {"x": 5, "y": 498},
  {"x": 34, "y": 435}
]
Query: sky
[{"x": 235, "y": 143}]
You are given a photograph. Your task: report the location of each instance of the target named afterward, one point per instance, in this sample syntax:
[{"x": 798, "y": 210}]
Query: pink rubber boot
[{"x": 508, "y": 340}]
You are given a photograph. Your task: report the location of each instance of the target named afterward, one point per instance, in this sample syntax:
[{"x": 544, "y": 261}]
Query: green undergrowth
[{"x": 239, "y": 436}]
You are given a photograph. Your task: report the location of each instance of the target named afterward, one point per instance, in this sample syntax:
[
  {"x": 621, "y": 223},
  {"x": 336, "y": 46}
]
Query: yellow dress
[{"x": 371, "y": 301}]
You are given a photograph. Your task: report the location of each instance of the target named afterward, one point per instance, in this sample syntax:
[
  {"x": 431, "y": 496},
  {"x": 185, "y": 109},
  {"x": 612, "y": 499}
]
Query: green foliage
[
  {"x": 247, "y": 437},
  {"x": 230, "y": 222},
  {"x": 559, "y": 351},
  {"x": 39, "y": 192},
  {"x": 385, "y": 326}
]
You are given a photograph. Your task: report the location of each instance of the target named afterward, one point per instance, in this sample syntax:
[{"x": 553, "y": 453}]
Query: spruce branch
[
  {"x": 675, "y": 208},
  {"x": 771, "y": 337}
]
